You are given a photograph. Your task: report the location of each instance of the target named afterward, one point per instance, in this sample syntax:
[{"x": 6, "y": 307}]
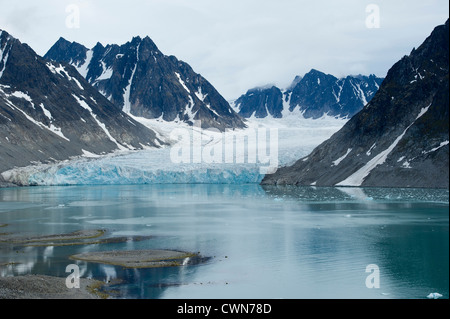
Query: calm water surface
[{"x": 274, "y": 242}]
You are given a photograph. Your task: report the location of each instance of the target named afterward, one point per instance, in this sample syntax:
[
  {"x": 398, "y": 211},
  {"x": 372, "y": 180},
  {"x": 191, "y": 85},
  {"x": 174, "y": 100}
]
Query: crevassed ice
[{"x": 154, "y": 166}]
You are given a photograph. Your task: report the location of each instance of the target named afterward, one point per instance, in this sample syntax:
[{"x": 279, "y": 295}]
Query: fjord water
[{"x": 271, "y": 242}]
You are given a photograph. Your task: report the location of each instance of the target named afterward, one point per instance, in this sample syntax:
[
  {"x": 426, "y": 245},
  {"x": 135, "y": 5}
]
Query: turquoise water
[{"x": 271, "y": 242}]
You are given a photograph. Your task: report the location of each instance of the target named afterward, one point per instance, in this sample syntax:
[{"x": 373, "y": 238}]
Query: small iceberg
[{"x": 434, "y": 295}]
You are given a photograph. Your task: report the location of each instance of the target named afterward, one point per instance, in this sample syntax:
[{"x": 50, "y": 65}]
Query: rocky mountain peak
[
  {"x": 399, "y": 139},
  {"x": 139, "y": 79},
  {"x": 49, "y": 112},
  {"x": 312, "y": 96}
]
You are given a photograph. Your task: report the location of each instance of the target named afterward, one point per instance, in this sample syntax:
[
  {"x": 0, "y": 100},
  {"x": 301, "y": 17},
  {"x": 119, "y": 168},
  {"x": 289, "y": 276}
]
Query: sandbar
[{"x": 138, "y": 258}]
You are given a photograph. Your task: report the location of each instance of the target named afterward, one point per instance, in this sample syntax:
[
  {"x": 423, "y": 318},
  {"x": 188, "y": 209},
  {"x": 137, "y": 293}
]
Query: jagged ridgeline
[
  {"x": 139, "y": 79},
  {"x": 314, "y": 95},
  {"x": 399, "y": 139},
  {"x": 49, "y": 112}
]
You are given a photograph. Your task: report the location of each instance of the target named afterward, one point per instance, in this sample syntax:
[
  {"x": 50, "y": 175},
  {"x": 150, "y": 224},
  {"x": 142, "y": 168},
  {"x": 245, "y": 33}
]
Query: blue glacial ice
[
  {"x": 103, "y": 173},
  {"x": 155, "y": 166}
]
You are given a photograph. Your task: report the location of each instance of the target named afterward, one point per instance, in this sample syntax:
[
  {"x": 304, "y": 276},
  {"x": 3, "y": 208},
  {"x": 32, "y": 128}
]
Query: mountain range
[
  {"x": 399, "y": 139},
  {"x": 314, "y": 95},
  {"x": 139, "y": 79},
  {"x": 49, "y": 112}
]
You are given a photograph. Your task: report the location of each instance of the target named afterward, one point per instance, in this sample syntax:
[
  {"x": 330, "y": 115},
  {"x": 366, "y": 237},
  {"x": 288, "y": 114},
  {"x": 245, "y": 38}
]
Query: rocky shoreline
[
  {"x": 33, "y": 286},
  {"x": 48, "y": 287}
]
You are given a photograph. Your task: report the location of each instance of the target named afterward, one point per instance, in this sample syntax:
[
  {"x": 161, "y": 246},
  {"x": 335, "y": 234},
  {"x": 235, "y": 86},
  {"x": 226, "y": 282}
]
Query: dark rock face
[
  {"x": 399, "y": 139},
  {"x": 318, "y": 94},
  {"x": 314, "y": 95},
  {"x": 138, "y": 79},
  {"x": 261, "y": 102},
  {"x": 49, "y": 112}
]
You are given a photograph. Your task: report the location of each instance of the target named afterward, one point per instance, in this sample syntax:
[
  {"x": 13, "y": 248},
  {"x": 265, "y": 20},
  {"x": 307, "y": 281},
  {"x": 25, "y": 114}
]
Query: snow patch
[
  {"x": 182, "y": 82},
  {"x": 51, "y": 128},
  {"x": 22, "y": 95},
  {"x": 436, "y": 148},
  {"x": 340, "y": 159},
  {"x": 406, "y": 164},
  {"x": 200, "y": 94},
  {"x": 4, "y": 59},
  {"x": 89, "y": 154},
  {"x": 126, "y": 95},
  {"x": 211, "y": 109},
  {"x": 83, "y": 68},
  {"x": 357, "y": 178},
  {"x": 423, "y": 111},
  {"x": 62, "y": 72},
  {"x": 188, "y": 109},
  {"x": 369, "y": 152},
  {"x": 106, "y": 74},
  {"x": 84, "y": 105},
  {"x": 361, "y": 94}
]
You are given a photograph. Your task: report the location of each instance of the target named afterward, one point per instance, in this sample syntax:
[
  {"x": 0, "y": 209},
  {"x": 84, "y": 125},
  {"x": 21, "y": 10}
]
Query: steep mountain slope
[
  {"x": 139, "y": 79},
  {"x": 399, "y": 139},
  {"x": 261, "y": 103},
  {"x": 49, "y": 112},
  {"x": 314, "y": 95}
]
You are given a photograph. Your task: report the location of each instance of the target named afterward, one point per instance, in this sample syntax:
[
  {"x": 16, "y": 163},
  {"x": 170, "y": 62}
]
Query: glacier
[{"x": 296, "y": 138}]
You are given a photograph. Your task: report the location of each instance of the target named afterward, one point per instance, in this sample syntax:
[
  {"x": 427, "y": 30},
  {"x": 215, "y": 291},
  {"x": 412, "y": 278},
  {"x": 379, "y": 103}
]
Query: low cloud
[{"x": 241, "y": 44}]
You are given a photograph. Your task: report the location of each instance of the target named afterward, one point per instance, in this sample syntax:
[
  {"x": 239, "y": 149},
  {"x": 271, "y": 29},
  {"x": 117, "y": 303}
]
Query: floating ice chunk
[{"x": 434, "y": 295}]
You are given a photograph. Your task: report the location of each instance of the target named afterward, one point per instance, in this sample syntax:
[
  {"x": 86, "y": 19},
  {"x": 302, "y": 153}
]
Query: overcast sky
[{"x": 240, "y": 44}]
